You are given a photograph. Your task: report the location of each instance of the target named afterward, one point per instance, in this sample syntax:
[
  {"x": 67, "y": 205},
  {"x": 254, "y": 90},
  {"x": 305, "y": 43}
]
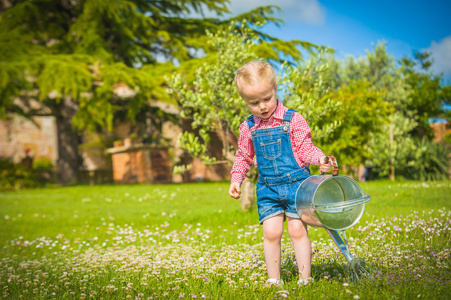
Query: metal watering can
[{"x": 335, "y": 203}]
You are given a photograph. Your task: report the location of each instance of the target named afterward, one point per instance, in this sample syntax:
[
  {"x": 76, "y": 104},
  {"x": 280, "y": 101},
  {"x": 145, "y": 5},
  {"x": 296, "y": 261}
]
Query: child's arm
[
  {"x": 234, "y": 190},
  {"x": 302, "y": 142},
  {"x": 244, "y": 155},
  {"x": 243, "y": 160}
]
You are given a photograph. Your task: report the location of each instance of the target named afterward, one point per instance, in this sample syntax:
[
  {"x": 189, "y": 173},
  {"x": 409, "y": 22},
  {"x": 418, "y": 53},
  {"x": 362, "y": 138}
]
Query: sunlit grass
[{"x": 192, "y": 241}]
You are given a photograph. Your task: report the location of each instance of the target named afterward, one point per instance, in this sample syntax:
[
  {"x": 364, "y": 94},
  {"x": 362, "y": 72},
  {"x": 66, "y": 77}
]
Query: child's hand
[
  {"x": 323, "y": 166},
  {"x": 234, "y": 190}
]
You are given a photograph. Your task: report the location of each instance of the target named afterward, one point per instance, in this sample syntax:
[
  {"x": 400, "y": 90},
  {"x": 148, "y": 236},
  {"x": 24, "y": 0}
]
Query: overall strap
[
  {"x": 288, "y": 115},
  {"x": 250, "y": 121}
]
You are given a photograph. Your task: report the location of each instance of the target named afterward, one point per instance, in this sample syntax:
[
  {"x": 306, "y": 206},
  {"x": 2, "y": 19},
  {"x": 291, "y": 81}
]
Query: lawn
[{"x": 192, "y": 241}]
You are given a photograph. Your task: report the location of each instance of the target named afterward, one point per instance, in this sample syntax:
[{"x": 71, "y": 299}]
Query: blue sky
[{"x": 352, "y": 27}]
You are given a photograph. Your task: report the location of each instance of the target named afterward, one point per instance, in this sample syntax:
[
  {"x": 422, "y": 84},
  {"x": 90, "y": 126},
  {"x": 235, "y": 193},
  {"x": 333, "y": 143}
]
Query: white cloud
[
  {"x": 441, "y": 52},
  {"x": 305, "y": 11}
]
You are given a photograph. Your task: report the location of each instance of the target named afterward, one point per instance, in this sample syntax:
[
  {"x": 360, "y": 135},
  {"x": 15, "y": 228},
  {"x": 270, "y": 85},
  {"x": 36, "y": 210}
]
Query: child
[{"x": 281, "y": 141}]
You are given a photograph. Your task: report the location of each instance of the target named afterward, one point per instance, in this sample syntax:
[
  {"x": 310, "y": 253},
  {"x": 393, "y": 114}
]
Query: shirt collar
[{"x": 279, "y": 113}]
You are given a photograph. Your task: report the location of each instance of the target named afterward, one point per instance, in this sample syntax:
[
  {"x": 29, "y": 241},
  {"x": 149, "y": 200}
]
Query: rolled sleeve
[
  {"x": 302, "y": 141},
  {"x": 244, "y": 155}
]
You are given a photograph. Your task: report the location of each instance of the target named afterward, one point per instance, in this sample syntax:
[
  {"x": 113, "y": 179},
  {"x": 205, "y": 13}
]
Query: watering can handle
[{"x": 334, "y": 164}]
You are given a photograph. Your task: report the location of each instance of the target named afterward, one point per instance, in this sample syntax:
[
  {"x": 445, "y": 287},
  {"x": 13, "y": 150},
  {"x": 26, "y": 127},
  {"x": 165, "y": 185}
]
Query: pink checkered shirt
[{"x": 304, "y": 150}]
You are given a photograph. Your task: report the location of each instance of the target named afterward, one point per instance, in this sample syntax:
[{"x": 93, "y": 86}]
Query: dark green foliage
[
  {"x": 409, "y": 97},
  {"x": 42, "y": 163},
  {"x": 72, "y": 55},
  {"x": 361, "y": 112},
  {"x": 84, "y": 48},
  {"x": 427, "y": 161},
  {"x": 429, "y": 93},
  {"x": 14, "y": 177}
]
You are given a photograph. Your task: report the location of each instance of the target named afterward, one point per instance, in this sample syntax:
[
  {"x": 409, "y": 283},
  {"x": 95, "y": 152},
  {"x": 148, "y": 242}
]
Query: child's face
[{"x": 260, "y": 98}]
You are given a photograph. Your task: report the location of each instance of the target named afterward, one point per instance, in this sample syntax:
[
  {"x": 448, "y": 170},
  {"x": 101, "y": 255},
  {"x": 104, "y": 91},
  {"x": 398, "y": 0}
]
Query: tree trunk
[
  {"x": 247, "y": 194},
  {"x": 392, "y": 155},
  {"x": 68, "y": 159}
]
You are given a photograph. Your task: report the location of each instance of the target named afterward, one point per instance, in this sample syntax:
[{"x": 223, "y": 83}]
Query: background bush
[
  {"x": 13, "y": 177},
  {"x": 427, "y": 161},
  {"x": 42, "y": 163}
]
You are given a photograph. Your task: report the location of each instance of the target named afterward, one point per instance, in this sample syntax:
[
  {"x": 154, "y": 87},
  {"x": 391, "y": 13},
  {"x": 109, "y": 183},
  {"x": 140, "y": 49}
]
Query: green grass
[
  {"x": 192, "y": 240},
  {"x": 49, "y": 212}
]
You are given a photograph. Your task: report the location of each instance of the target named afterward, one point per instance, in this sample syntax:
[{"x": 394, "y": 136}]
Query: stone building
[
  {"x": 20, "y": 135},
  {"x": 39, "y": 139},
  {"x": 441, "y": 130}
]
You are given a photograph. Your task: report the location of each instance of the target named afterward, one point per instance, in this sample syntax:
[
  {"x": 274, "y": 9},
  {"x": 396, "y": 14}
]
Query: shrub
[
  {"x": 429, "y": 161},
  {"x": 15, "y": 176},
  {"x": 42, "y": 163}
]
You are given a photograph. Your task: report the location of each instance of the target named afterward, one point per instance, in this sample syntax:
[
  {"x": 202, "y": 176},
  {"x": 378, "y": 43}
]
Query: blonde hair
[{"x": 252, "y": 72}]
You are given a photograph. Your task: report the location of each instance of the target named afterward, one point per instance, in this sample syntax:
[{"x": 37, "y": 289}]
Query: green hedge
[
  {"x": 14, "y": 177},
  {"x": 430, "y": 161}
]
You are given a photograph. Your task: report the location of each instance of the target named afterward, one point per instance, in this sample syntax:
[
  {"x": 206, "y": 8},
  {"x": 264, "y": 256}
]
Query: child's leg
[
  {"x": 272, "y": 233},
  {"x": 302, "y": 247}
]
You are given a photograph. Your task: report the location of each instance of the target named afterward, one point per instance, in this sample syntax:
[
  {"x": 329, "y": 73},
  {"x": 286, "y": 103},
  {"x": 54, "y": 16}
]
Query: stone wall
[
  {"x": 441, "y": 130},
  {"x": 140, "y": 164},
  {"x": 19, "y": 134}
]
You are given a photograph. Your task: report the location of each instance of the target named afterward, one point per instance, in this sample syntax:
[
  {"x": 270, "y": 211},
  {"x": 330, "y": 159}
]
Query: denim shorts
[{"x": 276, "y": 199}]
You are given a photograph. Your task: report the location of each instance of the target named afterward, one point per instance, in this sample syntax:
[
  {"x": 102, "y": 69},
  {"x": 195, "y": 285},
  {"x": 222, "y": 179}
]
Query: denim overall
[{"x": 279, "y": 173}]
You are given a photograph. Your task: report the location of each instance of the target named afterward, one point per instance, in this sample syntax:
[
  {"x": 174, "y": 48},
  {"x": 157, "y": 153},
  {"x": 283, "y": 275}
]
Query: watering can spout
[{"x": 342, "y": 245}]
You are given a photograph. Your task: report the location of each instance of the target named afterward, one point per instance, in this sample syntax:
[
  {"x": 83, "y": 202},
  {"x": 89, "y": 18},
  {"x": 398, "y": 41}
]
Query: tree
[
  {"x": 429, "y": 92},
  {"x": 211, "y": 99},
  {"x": 361, "y": 113},
  {"x": 304, "y": 87},
  {"x": 372, "y": 81},
  {"x": 341, "y": 115},
  {"x": 70, "y": 56},
  {"x": 392, "y": 143},
  {"x": 415, "y": 98}
]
